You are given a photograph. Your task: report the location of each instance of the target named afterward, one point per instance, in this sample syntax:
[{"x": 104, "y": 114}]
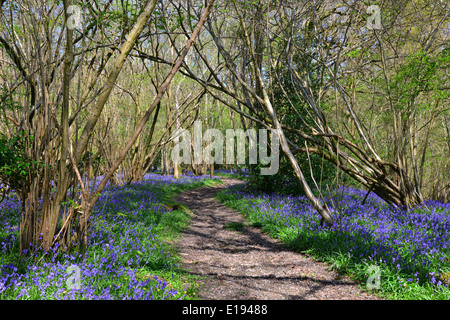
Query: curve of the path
[{"x": 248, "y": 264}]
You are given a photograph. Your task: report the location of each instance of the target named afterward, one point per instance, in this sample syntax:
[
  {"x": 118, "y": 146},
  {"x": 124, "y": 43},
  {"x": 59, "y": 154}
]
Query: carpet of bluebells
[
  {"x": 123, "y": 242},
  {"x": 409, "y": 247}
]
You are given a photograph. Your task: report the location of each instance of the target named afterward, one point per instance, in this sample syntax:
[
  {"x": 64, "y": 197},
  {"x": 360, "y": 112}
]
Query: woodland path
[{"x": 248, "y": 264}]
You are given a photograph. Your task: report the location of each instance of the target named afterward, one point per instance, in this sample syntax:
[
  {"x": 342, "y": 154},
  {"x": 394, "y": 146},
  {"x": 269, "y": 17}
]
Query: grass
[{"x": 131, "y": 252}]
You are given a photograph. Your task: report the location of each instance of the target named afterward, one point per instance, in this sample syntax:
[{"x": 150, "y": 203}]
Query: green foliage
[
  {"x": 14, "y": 166},
  {"x": 421, "y": 74}
]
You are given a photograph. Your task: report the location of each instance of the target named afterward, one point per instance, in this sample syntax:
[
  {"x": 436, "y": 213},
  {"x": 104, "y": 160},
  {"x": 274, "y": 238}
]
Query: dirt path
[{"x": 247, "y": 264}]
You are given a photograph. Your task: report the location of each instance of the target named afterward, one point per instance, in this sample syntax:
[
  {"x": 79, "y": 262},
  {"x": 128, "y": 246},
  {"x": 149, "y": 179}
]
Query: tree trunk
[{"x": 211, "y": 172}]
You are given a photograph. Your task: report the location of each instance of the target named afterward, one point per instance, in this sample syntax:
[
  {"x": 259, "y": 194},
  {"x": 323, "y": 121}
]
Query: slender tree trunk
[{"x": 51, "y": 215}]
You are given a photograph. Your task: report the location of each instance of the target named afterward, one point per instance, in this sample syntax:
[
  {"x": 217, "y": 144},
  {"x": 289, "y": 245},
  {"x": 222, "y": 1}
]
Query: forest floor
[{"x": 236, "y": 261}]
